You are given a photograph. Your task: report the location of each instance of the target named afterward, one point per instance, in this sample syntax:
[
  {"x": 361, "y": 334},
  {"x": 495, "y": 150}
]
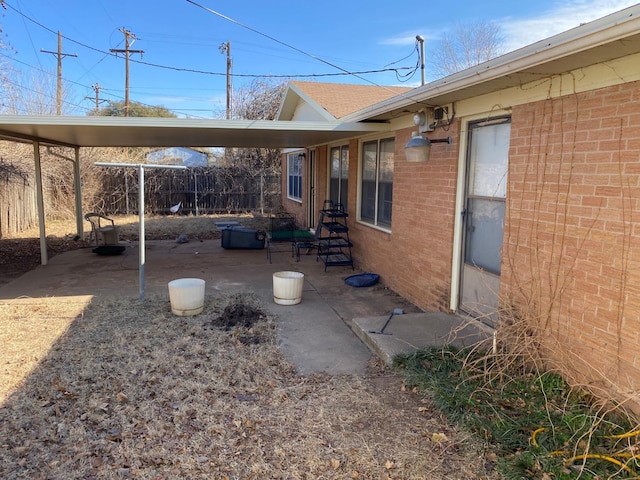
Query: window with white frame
[
  {"x": 376, "y": 182},
  {"x": 339, "y": 175},
  {"x": 294, "y": 176}
]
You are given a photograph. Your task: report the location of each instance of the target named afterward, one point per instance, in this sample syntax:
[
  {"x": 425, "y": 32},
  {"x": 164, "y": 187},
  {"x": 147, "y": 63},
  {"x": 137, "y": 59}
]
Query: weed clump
[{"x": 538, "y": 425}]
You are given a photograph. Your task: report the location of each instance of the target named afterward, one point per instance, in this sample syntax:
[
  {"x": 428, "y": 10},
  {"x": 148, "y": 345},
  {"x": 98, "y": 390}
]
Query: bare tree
[
  {"x": 259, "y": 100},
  {"x": 6, "y": 69},
  {"x": 31, "y": 96},
  {"x": 466, "y": 45}
]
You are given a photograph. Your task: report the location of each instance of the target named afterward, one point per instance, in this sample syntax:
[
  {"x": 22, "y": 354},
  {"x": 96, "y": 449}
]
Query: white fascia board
[
  {"x": 165, "y": 132},
  {"x": 8, "y": 121}
]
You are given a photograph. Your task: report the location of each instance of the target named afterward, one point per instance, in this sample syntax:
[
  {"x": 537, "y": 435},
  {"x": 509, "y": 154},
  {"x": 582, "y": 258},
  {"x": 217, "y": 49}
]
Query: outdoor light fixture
[
  {"x": 302, "y": 156},
  {"x": 418, "y": 148}
]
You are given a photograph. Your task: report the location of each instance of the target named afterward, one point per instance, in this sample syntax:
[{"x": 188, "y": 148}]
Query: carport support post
[
  {"x": 141, "y": 243},
  {"x": 78, "y": 189},
  {"x": 44, "y": 258}
]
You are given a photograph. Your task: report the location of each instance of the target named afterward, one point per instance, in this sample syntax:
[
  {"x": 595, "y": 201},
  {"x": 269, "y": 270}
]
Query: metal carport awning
[
  {"x": 76, "y": 132},
  {"x": 177, "y": 132}
]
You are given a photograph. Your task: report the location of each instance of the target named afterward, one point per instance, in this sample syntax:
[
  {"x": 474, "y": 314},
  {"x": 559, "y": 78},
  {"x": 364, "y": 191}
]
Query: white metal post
[
  {"x": 141, "y": 232},
  {"x": 78, "y": 193},
  {"x": 44, "y": 257}
]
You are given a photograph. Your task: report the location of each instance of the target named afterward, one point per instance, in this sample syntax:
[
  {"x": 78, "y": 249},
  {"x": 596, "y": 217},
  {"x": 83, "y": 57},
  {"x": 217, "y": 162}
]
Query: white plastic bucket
[
  {"x": 186, "y": 296},
  {"x": 287, "y": 287}
]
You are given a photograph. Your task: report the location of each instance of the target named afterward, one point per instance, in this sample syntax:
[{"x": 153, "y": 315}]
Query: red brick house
[{"x": 530, "y": 215}]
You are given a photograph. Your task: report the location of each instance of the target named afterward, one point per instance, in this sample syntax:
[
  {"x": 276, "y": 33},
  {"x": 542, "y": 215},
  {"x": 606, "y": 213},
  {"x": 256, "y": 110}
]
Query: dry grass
[
  {"x": 30, "y": 327},
  {"x": 157, "y": 227},
  {"x": 120, "y": 388},
  {"x": 130, "y": 391}
]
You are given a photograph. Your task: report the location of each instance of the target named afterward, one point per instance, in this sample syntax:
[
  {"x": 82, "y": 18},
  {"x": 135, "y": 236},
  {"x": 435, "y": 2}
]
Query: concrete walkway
[{"x": 329, "y": 331}]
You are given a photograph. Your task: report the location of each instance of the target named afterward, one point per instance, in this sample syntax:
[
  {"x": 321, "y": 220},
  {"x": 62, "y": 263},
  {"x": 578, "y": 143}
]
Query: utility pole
[
  {"x": 60, "y": 56},
  {"x": 128, "y": 36},
  {"x": 226, "y": 47},
  {"x": 96, "y": 87},
  {"x": 420, "y": 40}
]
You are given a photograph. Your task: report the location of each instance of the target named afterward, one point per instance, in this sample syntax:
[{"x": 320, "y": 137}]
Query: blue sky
[{"x": 185, "y": 70}]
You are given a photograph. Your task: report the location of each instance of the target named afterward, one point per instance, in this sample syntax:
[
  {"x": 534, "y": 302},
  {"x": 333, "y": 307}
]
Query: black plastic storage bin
[{"x": 240, "y": 237}]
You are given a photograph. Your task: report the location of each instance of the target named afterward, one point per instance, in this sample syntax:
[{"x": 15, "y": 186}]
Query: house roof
[{"x": 334, "y": 100}]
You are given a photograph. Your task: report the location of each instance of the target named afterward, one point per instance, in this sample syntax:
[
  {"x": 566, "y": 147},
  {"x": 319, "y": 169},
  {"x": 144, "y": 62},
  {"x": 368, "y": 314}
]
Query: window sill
[{"x": 375, "y": 227}]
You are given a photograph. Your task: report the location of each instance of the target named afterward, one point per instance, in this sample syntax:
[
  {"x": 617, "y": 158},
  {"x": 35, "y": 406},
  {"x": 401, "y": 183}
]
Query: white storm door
[{"x": 486, "y": 193}]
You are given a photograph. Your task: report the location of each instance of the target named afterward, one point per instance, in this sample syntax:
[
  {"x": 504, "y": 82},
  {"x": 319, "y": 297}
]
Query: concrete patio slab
[
  {"x": 410, "y": 332},
  {"x": 326, "y": 332}
]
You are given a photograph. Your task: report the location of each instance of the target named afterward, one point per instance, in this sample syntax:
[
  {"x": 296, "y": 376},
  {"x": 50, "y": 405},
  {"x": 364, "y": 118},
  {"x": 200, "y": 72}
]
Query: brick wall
[
  {"x": 571, "y": 253},
  {"x": 415, "y": 258},
  {"x": 571, "y": 256}
]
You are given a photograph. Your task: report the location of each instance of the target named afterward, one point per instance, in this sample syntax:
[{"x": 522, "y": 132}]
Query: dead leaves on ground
[{"x": 131, "y": 391}]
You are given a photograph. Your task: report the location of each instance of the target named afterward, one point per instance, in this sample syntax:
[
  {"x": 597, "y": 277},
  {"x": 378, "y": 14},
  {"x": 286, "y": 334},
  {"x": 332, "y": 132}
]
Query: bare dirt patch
[{"x": 20, "y": 255}]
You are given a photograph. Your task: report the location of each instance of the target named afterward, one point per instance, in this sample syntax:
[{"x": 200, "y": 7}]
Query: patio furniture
[
  {"x": 304, "y": 239},
  {"x": 102, "y": 228},
  {"x": 281, "y": 234},
  {"x": 239, "y": 237},
  {"x": 334, "y": 247}
]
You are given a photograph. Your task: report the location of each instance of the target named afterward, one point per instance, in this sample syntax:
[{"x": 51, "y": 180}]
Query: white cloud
[
  {"x": 562, "y": 17},
  {"x": 519, "y": 32}
]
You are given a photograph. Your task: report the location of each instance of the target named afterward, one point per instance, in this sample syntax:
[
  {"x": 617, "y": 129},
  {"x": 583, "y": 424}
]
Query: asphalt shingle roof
[{"x": 341, "y": 99}]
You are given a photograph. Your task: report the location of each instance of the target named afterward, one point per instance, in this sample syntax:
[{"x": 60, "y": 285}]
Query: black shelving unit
[{"x": 334, "y": 246}]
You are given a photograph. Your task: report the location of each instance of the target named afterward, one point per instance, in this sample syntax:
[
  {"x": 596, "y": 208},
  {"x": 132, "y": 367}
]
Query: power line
[
  {"x": 44, "y": 94},
  {"x": 116, "y": 97},
  {"x": 273, "y": 39},
  {"x": 343, "y": 72}
]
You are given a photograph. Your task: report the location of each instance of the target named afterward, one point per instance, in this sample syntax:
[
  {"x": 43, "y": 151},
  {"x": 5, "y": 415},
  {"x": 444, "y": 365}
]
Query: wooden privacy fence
[
  {"x": 18, "y": 210},
  {"x": 202, "y": 190}
]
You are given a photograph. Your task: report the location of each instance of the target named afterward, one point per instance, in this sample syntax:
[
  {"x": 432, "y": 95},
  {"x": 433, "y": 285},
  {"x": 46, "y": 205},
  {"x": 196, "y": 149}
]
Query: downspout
[{"x": 40, "y": 201}]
